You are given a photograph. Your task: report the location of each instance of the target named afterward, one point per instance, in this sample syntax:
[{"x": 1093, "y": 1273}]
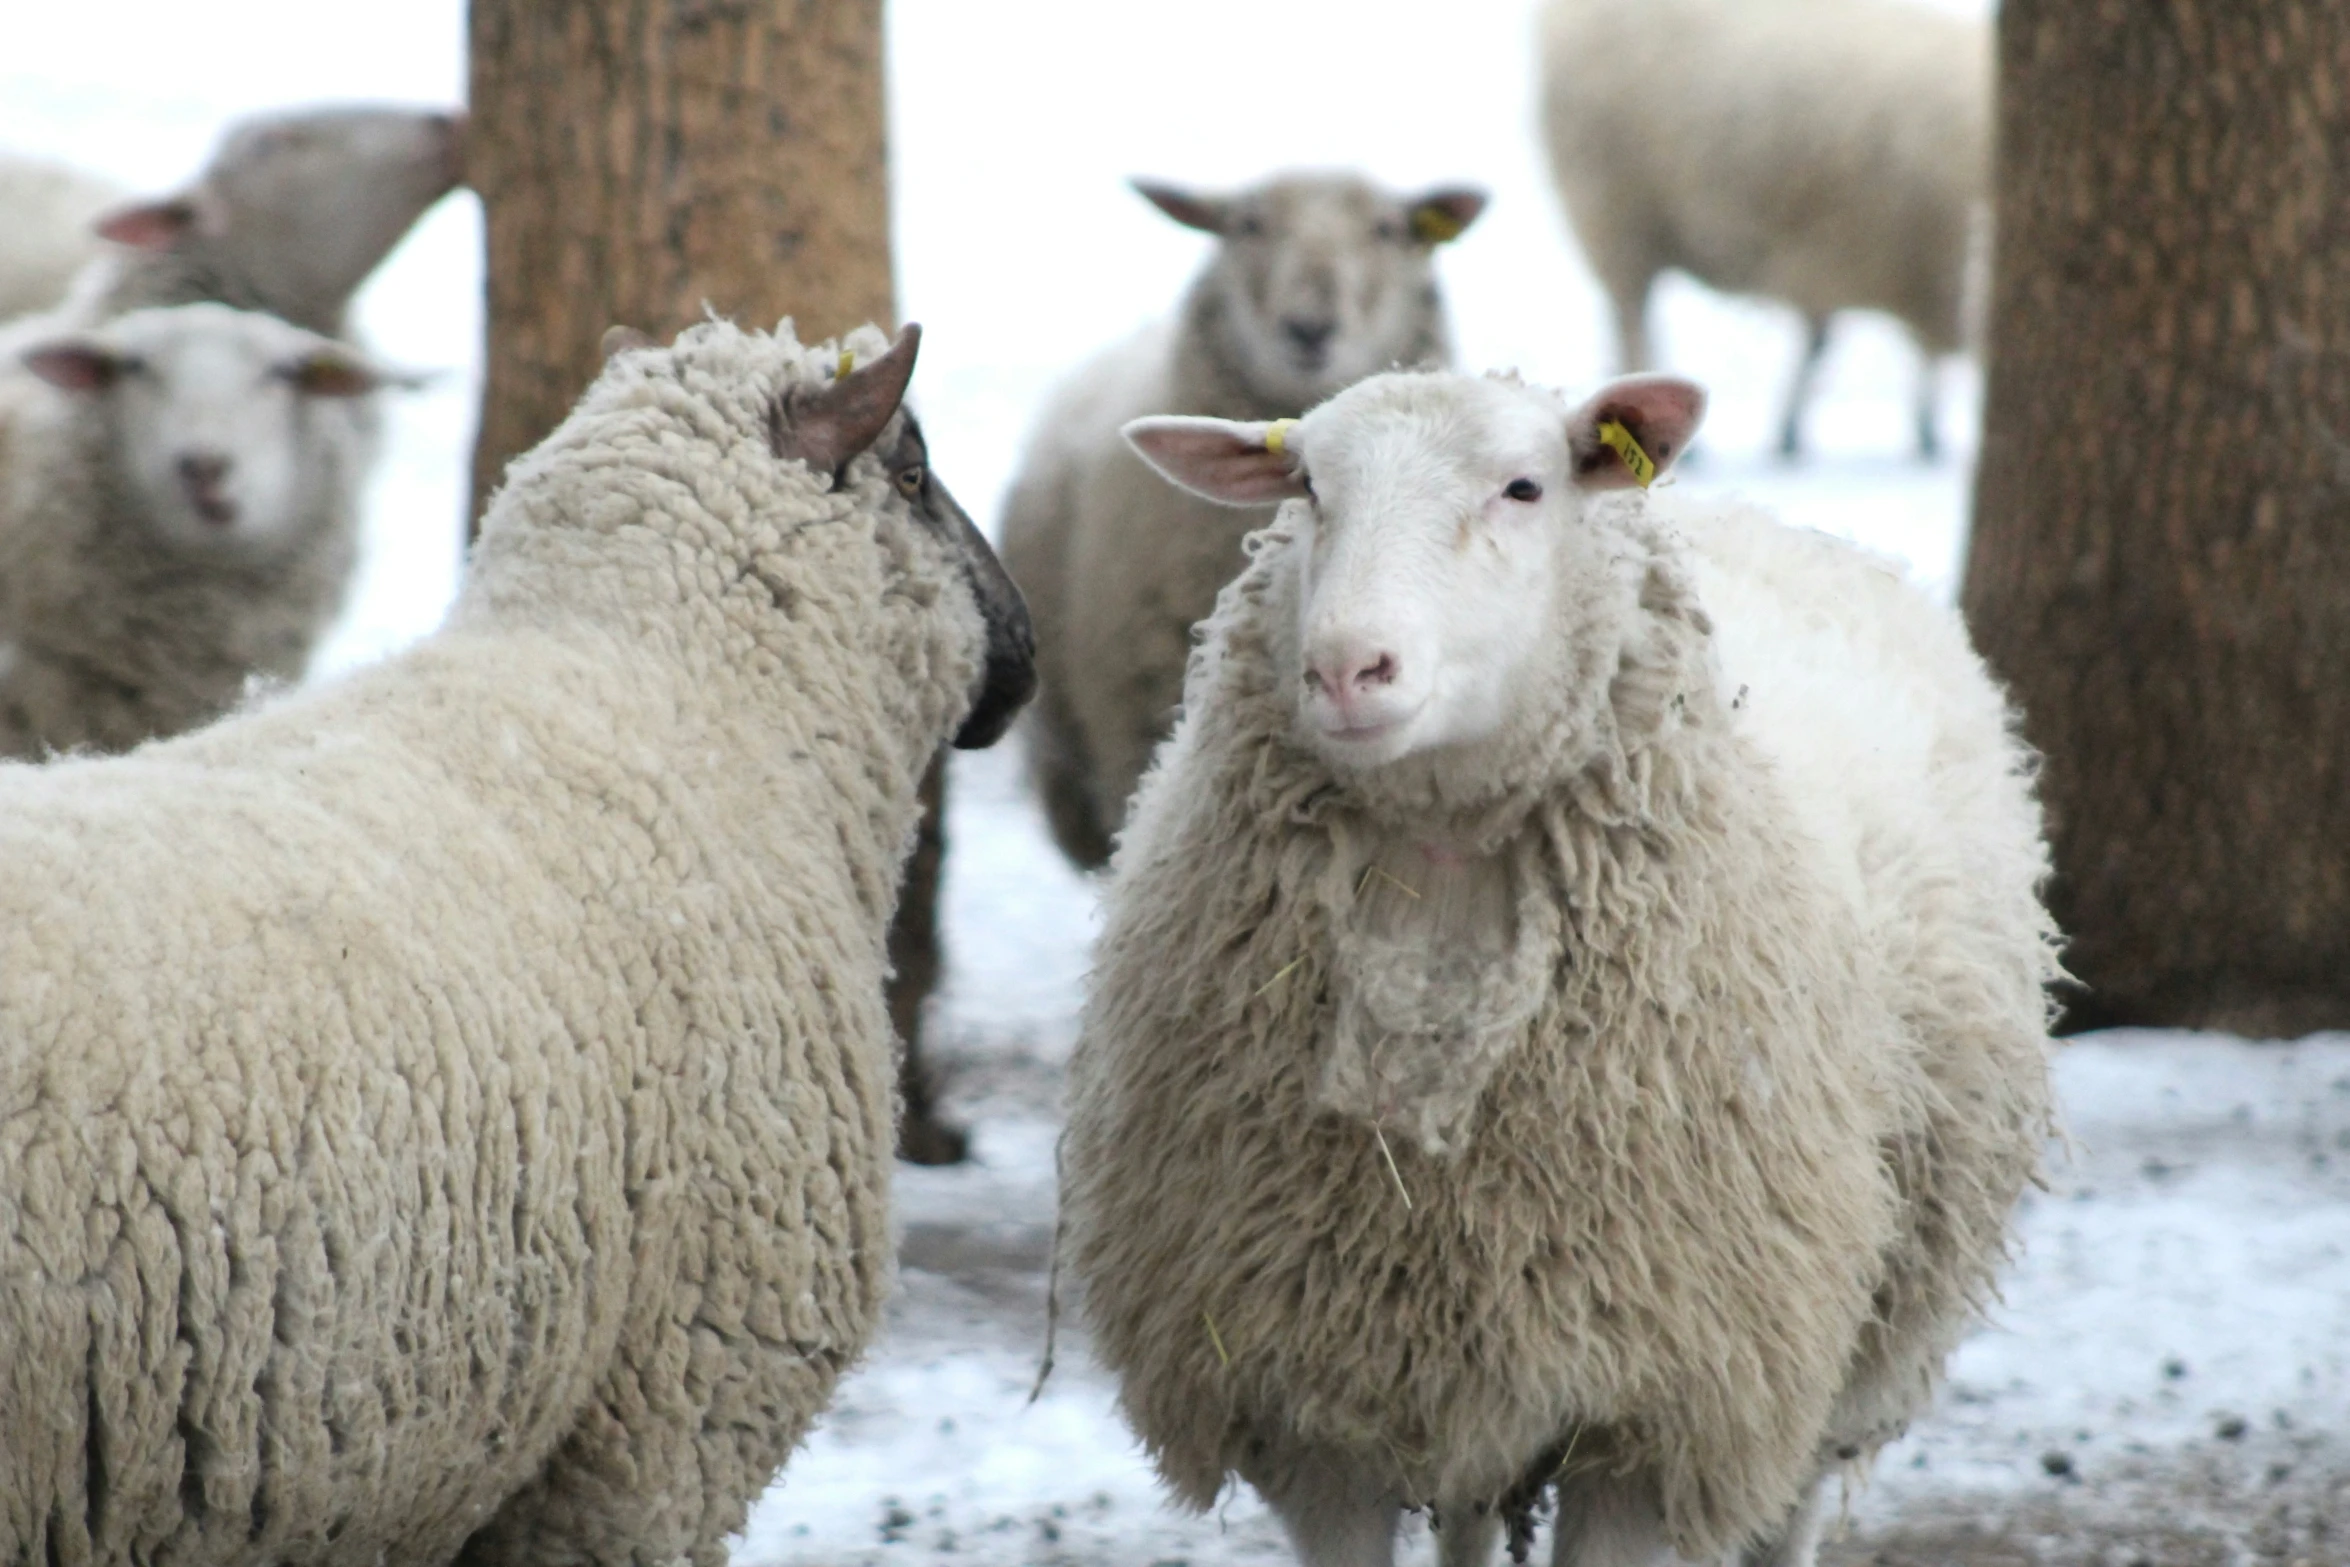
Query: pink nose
[{"x": 1348, "y": 674}]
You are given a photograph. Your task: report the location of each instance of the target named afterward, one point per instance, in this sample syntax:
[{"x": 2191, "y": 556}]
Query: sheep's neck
[{"x": 1437, "y": 972}]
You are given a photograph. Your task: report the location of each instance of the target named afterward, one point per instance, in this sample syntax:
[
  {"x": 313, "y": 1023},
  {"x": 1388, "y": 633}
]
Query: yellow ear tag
[
  {"x": 848, "y": 362},
  {"x": 1435, "y": 225},
  {"x": 1277, "y": 436},
  {"x": 1618, "y": 439}
]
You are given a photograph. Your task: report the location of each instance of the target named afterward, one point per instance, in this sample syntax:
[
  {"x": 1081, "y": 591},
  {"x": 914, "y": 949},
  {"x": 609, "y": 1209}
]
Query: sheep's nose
[
  {"x": 1351, "y": 673},
  {"x": 1310, "y": 335},
  {"x": 202, "y": 470}
]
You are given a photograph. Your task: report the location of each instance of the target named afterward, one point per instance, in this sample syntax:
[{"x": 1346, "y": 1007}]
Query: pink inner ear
[
  {"x": 1217, "y": 459},
  {"x": 76, "y": 367},
  {"x": 1661, "y": 412},
  {"x": 149, "y": 225}
]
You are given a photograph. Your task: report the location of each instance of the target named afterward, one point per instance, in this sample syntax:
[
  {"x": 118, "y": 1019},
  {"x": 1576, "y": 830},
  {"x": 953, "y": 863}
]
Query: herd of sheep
[{"x": 1568, "y": 1027}]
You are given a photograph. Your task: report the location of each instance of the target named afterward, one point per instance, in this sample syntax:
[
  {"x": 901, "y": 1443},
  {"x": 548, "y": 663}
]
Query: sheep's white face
[
  {"x": 1324, "y": 279},
  {"x": 1441, "y": 547},
  {"x": 213, "y": 420}
]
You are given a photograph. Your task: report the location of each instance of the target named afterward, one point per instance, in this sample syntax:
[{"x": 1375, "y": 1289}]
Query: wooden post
[{"x": 2160, "y": 566}]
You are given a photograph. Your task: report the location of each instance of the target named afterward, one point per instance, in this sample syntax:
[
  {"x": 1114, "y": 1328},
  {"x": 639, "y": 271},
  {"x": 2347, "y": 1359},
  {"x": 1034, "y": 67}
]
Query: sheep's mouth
[
  {"x": 214, "y": 508},
  {"x": 1366, "y": 735}
]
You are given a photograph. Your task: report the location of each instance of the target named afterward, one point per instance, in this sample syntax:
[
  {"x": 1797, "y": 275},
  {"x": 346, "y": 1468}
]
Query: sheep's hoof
[{"x": 928, "y": 1140}]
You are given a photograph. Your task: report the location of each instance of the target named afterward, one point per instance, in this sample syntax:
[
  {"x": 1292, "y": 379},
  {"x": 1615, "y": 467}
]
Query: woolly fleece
[
  {"x": 451, "y": 1107},
  {"x": 1724, "y": 1203}
]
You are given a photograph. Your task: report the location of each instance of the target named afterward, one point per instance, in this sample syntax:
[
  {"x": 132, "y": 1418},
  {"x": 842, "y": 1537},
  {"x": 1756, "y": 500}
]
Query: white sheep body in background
[
  {"x": 1833, "y": 154},
  {"x": 48, "y": 218},
  {"x": 447, "y": 1111},
  {"x": 1570, "y": 1006},
  {"x": 1316, "y": 281},
  {"x": 179, "y": 514}
]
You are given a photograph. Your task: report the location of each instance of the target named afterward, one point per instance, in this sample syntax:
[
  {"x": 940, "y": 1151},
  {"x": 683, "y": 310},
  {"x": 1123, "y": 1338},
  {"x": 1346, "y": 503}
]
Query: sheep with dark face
[
  {"x": 445, "y": 1113},
  {"x": 1315, "y": 282},
  {"x": 1570, "y": 1010}
]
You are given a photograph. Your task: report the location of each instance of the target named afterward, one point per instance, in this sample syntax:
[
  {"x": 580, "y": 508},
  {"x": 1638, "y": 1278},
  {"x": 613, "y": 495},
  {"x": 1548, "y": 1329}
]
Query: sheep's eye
[
  {"x": 1248, "y": 225},
  {"x": 1523, "y": 490},
  {"x": 909, "y": 480},
  {"x": 1389, "y": 231}
]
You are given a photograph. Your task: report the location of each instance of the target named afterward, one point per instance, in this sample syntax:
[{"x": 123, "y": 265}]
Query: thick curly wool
[
  {"x": 1713, "y": 1195},
  {"x": 448, "y": 1113}
]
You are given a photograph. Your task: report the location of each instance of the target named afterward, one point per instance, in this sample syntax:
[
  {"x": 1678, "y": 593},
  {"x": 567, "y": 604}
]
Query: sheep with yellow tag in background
[
  {"x": 1315, "y": 282},
  {"x": 1569, "y": 1011}
]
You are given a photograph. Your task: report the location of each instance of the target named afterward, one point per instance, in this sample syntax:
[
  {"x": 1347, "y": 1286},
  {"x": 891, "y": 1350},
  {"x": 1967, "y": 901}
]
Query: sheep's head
[
  {"x": 861, "y": 411},
  {"x": 1323, "y": 279},
  {"x": 302, "y": 206},
  {"x": 1450, "y": 573},
  {"x": 215, "y": 421}
]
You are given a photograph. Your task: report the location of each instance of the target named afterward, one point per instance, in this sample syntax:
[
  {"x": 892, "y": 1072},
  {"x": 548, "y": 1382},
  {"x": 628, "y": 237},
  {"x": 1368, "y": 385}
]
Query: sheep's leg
[
  {"x": 1335, "y": 1515},
  {"x": 1798, "y": 1542},
  {"x": 1064, "y": 774},
  {"x": 1815, "y": 345},
  {"x": 1465, "y": 1535},
  {"x": 1609, "y": 1521},
  {"x": 1929, "y": 396},
  {"x": 1630, "y": 295},
  {"x": 914, "y": 960}
]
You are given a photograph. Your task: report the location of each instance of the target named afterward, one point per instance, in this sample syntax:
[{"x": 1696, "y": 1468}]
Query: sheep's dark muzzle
[{"x": 1009, "y": 677}]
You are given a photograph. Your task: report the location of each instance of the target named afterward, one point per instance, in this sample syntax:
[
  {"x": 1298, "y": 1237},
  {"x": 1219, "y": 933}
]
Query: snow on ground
[{"x": 2165, "y": 1380}]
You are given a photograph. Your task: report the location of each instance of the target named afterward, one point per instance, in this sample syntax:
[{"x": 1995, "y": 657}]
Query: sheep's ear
[
  {"x": 824, "y": 426},
  {"x": 1634, "y": 429},
  {"x": 621, "y": 339},
  {"x": 150, "y": 225},
  {"x": 332, "y": 372},
  {"x": 1208, "y": 214},
  {"x": 1444, "y": 214},
  {"x": 74, "y": 365},
  {"x": 1238, "y": 463}
]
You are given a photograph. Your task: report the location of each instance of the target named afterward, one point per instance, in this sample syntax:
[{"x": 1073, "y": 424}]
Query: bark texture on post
[
  {"x": 2160, "y": 565},
  {"x": 639, "y": 161},
  {"x": 636, "y": 158}
]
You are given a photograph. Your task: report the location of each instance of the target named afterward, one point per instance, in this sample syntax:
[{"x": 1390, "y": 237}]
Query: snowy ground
[{"x": 2166, "y": 1380}]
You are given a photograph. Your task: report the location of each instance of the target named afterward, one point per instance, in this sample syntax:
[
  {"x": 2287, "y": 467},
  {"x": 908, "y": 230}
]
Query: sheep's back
[
  {"x": 1898, "y": 754},
  {"x": 1825, "y": 152},
  {"x": 384, "y": 1075}
]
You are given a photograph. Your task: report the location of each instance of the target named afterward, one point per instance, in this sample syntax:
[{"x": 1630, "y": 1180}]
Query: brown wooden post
[
  {"x": 642, "y": 161},
  {"x": 2160, "y": 566}
]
